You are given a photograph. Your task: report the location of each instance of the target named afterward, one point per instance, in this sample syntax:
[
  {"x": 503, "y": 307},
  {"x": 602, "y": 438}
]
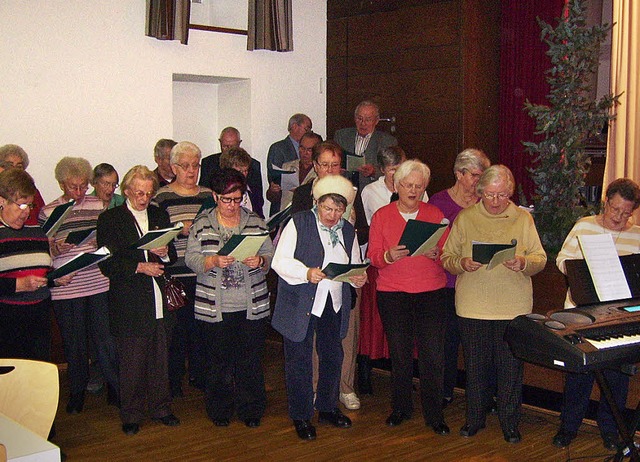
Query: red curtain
[{"x": 523, "y": 63}]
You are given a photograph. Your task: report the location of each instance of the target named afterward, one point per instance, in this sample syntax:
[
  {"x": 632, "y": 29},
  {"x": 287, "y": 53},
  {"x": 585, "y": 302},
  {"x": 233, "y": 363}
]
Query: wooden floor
[{"x": 95, "y": 433}]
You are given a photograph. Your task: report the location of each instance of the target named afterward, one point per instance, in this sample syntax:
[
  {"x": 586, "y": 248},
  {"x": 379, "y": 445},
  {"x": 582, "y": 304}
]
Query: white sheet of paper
[{"x": 607, "y": 274}]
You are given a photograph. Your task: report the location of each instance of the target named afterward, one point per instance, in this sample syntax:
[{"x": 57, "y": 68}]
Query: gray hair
[
  {"x": 70, "y": 167},
  {"x": 297, "y": 119},
  {"x": 393, "y": 155},
  {"x": 227, "y": 130},
  {"x": 183, "y": 147},
  {"x": 409, "y": 166},
  {"x": 140, "y": 172},
  {"x": 496, "y": 174},
  {"x": 162, "y": 144},
  {"x": 364, "y": 103},
  {"x": 14, "y": 150},
  {"x": 471, "y": 159},
  {"x": 101, "y": 170}
]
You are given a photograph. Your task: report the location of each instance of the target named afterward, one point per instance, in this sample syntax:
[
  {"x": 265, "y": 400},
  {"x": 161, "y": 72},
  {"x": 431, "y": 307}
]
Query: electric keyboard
[{"x": 579, "y": 339}]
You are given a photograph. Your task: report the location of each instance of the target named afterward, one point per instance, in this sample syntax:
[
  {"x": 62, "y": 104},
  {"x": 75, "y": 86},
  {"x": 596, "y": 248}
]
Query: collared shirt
[
  {"x": 361, "y": 144},
  {"x": 296, "y": 145},
  {"x": 294, "y": 272}
]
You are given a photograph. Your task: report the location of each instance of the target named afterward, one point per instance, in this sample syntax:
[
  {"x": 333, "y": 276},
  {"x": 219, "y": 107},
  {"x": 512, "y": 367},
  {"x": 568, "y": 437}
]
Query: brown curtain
[
  {"x": 623, "y": 153},
  {"x": 270, "y": 25},
  {"x": 168, "y": 19}
]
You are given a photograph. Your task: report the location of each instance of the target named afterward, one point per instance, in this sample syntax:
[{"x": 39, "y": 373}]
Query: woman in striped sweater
[
  {"x": 182, "y": 200},
  {"x": 25, "y": 299},
  {"x": 82, "y": 306}
]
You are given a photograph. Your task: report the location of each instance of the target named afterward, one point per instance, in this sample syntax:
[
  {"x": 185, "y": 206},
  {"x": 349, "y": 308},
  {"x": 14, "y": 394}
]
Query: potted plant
[{"x": 571, "y": 117}]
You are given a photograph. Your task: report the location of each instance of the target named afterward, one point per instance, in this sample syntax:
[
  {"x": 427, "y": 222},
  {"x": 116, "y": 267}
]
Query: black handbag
[{"x": 174, "y": 293}]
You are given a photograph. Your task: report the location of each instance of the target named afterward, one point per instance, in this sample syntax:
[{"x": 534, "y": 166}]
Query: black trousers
[
  {"x": 577, "y": 391},
  {"x": 25, "y": 331},
  {"x": 487, "y": 355},
  {"x": 144, "y": 377},
  {"x": 78, "y": 319},
  {"x": 299, "y": 369},
  {"x": 420, "y": 319},
  {"x": 185, "y": 341},
  {"x": 234, "y": 379}
]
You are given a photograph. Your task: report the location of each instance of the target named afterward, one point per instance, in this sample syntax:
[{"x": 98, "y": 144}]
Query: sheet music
[{"x": 601, "y": 256}]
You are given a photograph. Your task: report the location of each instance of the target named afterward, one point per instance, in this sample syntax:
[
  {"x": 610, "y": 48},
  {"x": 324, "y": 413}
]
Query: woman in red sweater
[{"x": 410, "y": 290}]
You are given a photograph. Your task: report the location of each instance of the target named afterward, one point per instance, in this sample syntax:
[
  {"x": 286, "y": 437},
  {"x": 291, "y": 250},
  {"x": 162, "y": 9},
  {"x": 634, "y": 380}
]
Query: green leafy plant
[{"x": 572, "y": 116}]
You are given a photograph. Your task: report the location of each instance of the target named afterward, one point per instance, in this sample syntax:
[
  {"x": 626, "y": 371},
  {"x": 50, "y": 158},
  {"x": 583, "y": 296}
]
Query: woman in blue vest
[{"x": 308, "y": 303}]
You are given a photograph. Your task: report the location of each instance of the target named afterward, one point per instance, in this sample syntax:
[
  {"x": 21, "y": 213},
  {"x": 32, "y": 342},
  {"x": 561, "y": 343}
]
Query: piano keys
[{"x": 580, "y": 339}]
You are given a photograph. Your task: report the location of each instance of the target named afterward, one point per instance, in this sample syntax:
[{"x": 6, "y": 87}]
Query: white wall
[{"x": 80, "y": 78}]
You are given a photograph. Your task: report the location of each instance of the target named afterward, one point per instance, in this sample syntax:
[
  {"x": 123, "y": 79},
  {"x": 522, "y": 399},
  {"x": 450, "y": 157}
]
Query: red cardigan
[{"x": 409, "y": 274}]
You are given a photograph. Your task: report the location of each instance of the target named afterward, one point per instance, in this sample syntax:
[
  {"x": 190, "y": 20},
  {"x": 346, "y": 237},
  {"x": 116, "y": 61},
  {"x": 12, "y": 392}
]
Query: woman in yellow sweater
[{"x": 486, "y": 300}]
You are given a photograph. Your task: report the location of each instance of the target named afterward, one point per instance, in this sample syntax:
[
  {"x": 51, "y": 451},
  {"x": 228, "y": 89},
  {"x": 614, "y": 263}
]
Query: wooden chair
[{"x": 29, "y": 393}]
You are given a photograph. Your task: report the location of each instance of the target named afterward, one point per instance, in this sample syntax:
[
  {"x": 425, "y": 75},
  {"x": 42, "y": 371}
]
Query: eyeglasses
[
  {"x": 492, "y": 196},
  {"x": 77, "y": 188},
  {"x": 29, "y": 206},
  {"x": 108, "y": 184},
  {"x": 475, "y": 176},
  {"x": 327, "y": 165},
  {"x": 228, "y": 200},
  {"x": 618, "y": 211},
  {"x": 304, "y": 149},
  {"x": 141, "y": 194},
  {"x": 367, "y": 120},
  {"x": 339, "y": 210},
  {"x": 409, "y": 187},
  {"x": 186, "y": 167}
]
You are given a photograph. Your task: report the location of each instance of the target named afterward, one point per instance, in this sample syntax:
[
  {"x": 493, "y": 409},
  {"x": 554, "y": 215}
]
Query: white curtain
[{"x": 623, "y": 153}]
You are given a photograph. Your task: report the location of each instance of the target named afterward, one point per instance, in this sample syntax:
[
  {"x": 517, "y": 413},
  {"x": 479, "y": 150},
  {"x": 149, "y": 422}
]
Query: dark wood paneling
[
  {"x": 480, "y": 89},
  {"x": 337, "y": 38},
  {"x": 346, "y": 8},
  {"x": 446, "y": 56},
  {"x": 419, "y": 27}
]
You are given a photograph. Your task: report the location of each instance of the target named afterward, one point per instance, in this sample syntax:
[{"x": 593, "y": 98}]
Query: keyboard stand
[{"x": 625, "y": 433}]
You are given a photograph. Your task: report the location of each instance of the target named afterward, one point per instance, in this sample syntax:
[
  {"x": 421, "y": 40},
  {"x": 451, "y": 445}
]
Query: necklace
[
  {"x": 604, "y": 230},
  {"x": 227, "y": 223},
  {"x": 463, "y": 200}
]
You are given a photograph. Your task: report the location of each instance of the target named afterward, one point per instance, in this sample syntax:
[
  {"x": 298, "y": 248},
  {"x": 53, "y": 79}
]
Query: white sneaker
[{"x": 350, "y": 401}]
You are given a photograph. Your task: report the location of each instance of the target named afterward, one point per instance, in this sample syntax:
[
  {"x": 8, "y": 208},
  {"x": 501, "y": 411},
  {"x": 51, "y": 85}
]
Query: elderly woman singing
[{"x": 309, "y": 304}]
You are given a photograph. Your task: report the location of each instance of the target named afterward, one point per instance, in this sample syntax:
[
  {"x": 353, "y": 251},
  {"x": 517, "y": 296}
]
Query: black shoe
[
  {"x": 335, "y": 418},
  {"x": 396, "y": 418},
  {"x": 512, "y": 436},
  {"x": 446, "y": 401},
  {"x": 305, "y": 430},
  {"x": 468, "y": 431},
  {"x": 221, "y": 422},
  {"x": 130, "y": 428},
  {"x": 563, "y": 438},
  {"x": 76, "y": 403},
  {"x": 252, "y": 423},
  {"x": 440, "y": 428},
  {"x": 168, "y": 420},
  {"x": 610, "y": 441}
]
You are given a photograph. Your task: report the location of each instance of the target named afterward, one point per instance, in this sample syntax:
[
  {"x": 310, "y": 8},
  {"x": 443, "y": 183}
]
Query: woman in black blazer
[{"x": 139, "y": 319}]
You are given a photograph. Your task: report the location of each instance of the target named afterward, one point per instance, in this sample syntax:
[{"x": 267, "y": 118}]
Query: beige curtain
[
  {"x": 623, "y": 153},
  {"x": 168, "y": 19},
  {"x": 270, "y": 25}
]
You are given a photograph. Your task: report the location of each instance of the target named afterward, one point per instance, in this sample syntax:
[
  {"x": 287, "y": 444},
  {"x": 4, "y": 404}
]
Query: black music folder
[{"x": 579, "y": 279}]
